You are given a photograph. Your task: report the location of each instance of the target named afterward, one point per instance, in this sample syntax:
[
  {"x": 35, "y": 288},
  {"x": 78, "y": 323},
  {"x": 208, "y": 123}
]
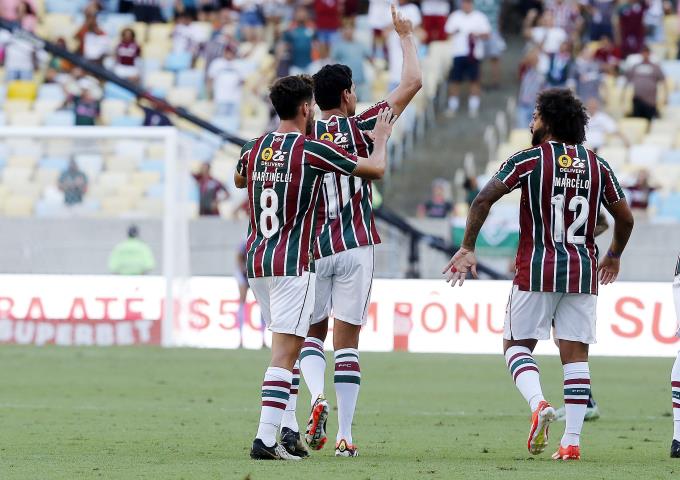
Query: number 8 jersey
[
  {"x": 563, "y": 187},
  {"x": 284, "y": 172}
]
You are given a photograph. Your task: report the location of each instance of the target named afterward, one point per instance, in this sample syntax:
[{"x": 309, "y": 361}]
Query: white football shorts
[
  {"x": 343, "y": 285},
  {"x": 286, "y": 303},
  {"x": 530, "y": 315}
]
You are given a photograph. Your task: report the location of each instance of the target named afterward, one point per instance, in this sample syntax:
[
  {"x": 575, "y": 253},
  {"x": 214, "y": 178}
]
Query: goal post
[{"x": 114, "y": 159}]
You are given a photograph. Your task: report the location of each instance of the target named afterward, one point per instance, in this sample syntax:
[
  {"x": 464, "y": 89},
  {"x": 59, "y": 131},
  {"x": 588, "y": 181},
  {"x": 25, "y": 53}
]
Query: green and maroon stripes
[
  {"x": 294, "y": 387},
  {"x": 275, "y": 393},
  {"x": 521, "y": 362},
  {"x": 312, "y": 346},
  {"x": 347, "y": 366},
  {"x": 577, "y": 391},
  {"x": 675, "y": 387}
]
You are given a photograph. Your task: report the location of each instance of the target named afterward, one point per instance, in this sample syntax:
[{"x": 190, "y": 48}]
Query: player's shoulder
[
  {"x": 530, "y": 153},
  {"x": 249, "y": 144}
]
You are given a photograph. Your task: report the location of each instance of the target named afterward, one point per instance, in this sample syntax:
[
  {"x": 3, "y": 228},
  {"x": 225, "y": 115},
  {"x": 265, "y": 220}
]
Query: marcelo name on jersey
[{"x": 563, "y": 187}]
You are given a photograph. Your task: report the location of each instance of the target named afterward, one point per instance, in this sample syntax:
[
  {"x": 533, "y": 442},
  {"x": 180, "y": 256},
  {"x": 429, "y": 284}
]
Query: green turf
[{"x": 166, "y": 414}]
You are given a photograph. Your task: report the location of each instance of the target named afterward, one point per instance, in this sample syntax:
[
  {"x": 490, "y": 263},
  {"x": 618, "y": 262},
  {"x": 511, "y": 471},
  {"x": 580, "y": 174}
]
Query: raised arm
[{"x": 411, "y": 76}]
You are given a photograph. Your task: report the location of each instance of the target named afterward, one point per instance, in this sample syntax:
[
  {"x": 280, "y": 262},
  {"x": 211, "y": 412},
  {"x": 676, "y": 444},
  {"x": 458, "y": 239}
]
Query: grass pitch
[{"x": 68, "y": 413}]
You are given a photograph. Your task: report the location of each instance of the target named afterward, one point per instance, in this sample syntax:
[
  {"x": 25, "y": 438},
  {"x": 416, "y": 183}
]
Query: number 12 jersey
[
  {"x": 284, "y": 172},
  {"x": 563, "y": 187}
]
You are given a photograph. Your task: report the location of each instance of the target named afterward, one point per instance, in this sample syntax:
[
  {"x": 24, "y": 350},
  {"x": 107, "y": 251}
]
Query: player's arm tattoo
[{"x": 479, "y": 210}]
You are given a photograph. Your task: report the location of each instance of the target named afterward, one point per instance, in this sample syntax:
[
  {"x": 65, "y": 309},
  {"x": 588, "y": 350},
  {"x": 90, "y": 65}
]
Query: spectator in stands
[
  {"x": 73, "y": 182},
  {"x": 439, "y": 205},
  {"x": 328, "y": 16},
  {"x": 132, "y": 256},
  {"x": 639, "y": 191},
  {"x": 26, "y": 16},
  {"x": 494, "y": 46},
  {"x": 9, "y": 8},
  {"x": 224, "y": 34},
  {"x": 252, "y": 19},
  {"x": 560, "y": 67},
  {"x": 185, "y": 36},
  {"x": 93, "y": 44},
  {"x": 300, "y": 40},
  {"x": 631, "y": 27},
  {"x": 225, "y": 79},
  {"x": 19, "y": 59},
  {"x": 567, "y": 16},
  {"x": 601, "y": 18},
  {"x": 587, "y": 76},
  {"x": 211, "y": 192},
  {"x": 532, "y": 81},
  {"x": 435, "y": 13},
  {"x": 379, "y": 19},
  {"x": 600, "y": 126},
  {"x": 645, "y": 77},
  {"x": 58, "y": 67},
  {"x": 395, "y": 57},
  {"x": 148, "y": 11},
  {"x": 546, "y": 35},
  {"x": 186, "y": 7},
  {"x": 653, "y": 21},
  {"x": 469, "y": 28},
  {"x": 128, "y": 53},
  {"x": 86, "y": 106},
  {"x": 352, "y": 53},
  {"x": 608, "y": 55}
]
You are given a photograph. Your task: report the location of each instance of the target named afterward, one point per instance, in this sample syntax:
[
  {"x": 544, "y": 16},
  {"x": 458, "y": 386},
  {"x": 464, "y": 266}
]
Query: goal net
[{"x": 137, "y": 176}]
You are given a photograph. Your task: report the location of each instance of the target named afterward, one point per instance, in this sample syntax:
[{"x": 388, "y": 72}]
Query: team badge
[{"x": 327, "y": 136}]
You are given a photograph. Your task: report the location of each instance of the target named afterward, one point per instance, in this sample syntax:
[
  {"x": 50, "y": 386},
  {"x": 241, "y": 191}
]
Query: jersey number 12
[{"x": 558, "y": 232}]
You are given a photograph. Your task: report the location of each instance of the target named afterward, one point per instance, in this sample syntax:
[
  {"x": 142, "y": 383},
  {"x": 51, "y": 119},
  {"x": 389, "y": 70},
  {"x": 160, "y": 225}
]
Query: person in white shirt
[
  {"x": 600, "y": 126},
  {"x": 545, "y": 35},
  {"x": 379, "y": 19},
  {"x": 226, "y": 76},
  {"x": 20, "y": 57},
  {"x": 468, "y": 28}
]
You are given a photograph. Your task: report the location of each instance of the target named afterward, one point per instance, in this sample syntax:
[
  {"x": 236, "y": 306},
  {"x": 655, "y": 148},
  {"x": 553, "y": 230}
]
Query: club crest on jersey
[
  {"x": 278, "y": 139},
  {"x": 328, "y": 136}
]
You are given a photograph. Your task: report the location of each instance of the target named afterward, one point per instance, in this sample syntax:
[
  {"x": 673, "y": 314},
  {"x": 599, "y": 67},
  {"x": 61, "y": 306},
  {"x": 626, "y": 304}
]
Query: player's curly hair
[
  {"x": 563, "y": 115},
  {"x": 288, "y": 93},
  {"x": 329, "y": 83}
]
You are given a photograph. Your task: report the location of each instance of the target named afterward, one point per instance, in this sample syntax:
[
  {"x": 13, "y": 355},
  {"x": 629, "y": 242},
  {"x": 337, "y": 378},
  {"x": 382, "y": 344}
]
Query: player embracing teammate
[
  {"x": 345, "y": 239},
  {"x": 283, "y": 172},
  {"x": 563, "y": 186}
]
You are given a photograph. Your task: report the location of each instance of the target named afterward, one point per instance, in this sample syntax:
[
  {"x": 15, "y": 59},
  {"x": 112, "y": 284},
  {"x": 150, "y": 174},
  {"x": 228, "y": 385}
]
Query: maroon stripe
[
  {"x": 547, "y": 180},
  {"x": 296, "y": 371},
  {"x": 515, "y": 356},
  {"x": 293, "y": 391},
  {"x": 312, "y": 345},
  {"x": 347, "y": 367},
  {"x": 275, "y": 383},
  {"x": 675, "y": 384},
  {"x": 270, "y": 403},
  {"x": 525, "y": 368},
  {"x": 676, "y": 405},
  {"x": 576, "y": 402},
  {"x": 576, "y": 381},
  {"x": 360, "y": 232}
]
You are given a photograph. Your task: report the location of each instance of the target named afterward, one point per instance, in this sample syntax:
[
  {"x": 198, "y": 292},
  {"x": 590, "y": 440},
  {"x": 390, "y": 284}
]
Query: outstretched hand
[
  {"x": 402, "y": 26},
  {"x": 461, "y": 263}
]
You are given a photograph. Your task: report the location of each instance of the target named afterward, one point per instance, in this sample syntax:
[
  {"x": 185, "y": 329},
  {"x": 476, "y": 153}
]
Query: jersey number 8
[{"x": 269, "y": 203}]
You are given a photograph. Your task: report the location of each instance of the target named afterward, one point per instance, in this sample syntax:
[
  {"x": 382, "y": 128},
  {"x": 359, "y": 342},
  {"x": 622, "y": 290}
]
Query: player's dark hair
[
  {"x": 329, "y": 83},
  {"x": 563, "y": 115},
  {"x": 288, "y": 93}
]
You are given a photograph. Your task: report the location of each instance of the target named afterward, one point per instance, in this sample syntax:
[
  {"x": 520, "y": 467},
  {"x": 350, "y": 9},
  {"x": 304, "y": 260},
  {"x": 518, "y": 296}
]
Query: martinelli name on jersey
[
  {"x": 345, "y": 212},
  {"x": 563, "y": 187},
  {"x": 284, "y": 172}
]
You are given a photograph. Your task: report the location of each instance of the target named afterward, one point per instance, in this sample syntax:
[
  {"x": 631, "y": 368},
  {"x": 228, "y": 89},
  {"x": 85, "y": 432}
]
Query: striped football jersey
[
  {"x": 563, "y": 187},
  {"x": 345, "y": 210},
  {"x": 284, "y": 173}
]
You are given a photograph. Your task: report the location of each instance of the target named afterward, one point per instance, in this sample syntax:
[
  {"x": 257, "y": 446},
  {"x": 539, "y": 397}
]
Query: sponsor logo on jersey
[
  {"x": 565, "y": 161},
  {"x": 278, "y": 139},
  {"x": 571, "y": 165},
  {"x": 328, "y": 136},
  {"x": 332, "y": 124},
  {"x": 267, "y": 154}
]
